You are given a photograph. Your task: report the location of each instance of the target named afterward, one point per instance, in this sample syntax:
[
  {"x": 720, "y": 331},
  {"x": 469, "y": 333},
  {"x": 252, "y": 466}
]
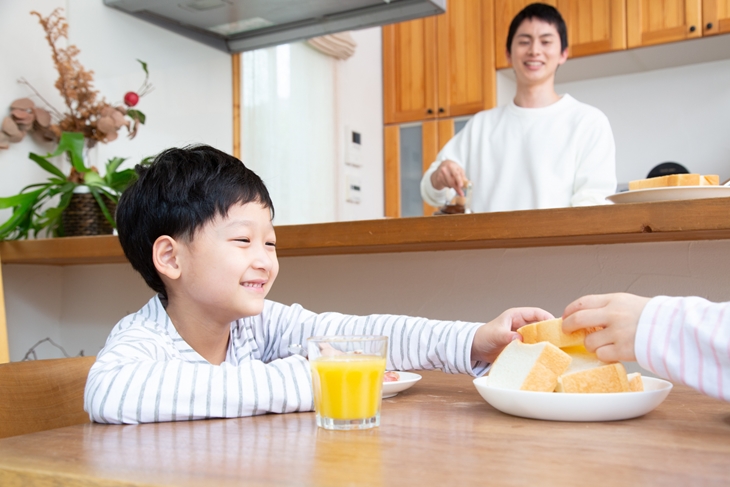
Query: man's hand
[
  {"x": 449, "y": 175},
  {"x": 491, "y": 338},
  {"x": 618, "y": 314}
]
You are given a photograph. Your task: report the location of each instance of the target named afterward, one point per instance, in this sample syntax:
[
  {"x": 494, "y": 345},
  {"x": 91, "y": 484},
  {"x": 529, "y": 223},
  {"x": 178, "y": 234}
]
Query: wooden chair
[{"x": 42, "y": 394}]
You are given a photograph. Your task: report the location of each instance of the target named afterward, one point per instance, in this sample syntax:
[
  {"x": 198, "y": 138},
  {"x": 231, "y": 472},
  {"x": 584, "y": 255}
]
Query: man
[{"x": 543, "y": 150}]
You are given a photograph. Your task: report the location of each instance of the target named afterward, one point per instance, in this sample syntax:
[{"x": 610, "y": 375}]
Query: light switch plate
[{"x": 353, "y": 147}]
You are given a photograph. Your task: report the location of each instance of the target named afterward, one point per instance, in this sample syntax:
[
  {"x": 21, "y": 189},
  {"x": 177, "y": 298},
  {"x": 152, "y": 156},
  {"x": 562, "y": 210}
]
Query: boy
[
  {"x": 197, "y": 225},
  {"x": 540, "y": 151},
  {"x": 686, "y": 339}
]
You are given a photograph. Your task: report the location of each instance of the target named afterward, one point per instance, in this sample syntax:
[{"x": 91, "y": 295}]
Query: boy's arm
[
  {"x": 595, "y": 176},
  {"x": 138, "y": 378},
  {"x": 456, "y": 150},
  {"x": 687, "y": 339}
]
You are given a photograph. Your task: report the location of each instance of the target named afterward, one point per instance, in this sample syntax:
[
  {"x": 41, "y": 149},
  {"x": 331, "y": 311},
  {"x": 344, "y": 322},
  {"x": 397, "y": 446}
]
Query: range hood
[{"x": 244, "y": 25}]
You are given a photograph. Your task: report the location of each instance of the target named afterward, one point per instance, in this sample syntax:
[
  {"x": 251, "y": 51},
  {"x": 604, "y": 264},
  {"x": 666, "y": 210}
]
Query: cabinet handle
[
  {"x": 692, "y": 28},
  {"x": 709, "y": 25},
  {"x": 429, "y": 111},
  {"x": 441, "y": 110}
]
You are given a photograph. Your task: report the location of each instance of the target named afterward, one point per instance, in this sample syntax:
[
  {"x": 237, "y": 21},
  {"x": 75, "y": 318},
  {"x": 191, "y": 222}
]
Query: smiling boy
[
  {"x": 542, "y": 150},
  {"x": 197, "y": 225}
]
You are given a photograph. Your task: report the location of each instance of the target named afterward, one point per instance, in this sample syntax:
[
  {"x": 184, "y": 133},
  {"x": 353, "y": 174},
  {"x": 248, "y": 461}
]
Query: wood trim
[
  {"x": 445, "y": 134},
  {"x": 389, "y": 85},
  {"x": 391, "y": 170},
  {"x": 588, "y": 48},
  {"x": 598, "y": 225},
  {"x": 489, "y": 63},
  {"x": 709, "y": 15},
  {"x": 618, "y": 25},
  {"x": 429, "y": 151},
  {"x": 4, "y": 344},
  {"x": 633, "y": 23},
  {"x": 236, "y": 71}
]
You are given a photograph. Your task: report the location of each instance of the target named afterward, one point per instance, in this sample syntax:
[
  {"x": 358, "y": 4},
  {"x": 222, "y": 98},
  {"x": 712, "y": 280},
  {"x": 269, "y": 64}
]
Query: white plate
[
  {"x": 556, "y": 406},
  {"x": 670, "y": 194},
  {"x": 407, "y": 379}
]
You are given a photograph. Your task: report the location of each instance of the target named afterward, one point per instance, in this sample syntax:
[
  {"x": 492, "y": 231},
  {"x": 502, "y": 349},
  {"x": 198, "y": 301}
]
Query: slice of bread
[
  {"x": 582, "y": 359},
  {"x": 552, "y": 331},
  {"x": 607, "y": 378},
  {"x": 529, "y": 367},
  {"x": 675, "y": 180},
  {"x": 635, "y": 382}
]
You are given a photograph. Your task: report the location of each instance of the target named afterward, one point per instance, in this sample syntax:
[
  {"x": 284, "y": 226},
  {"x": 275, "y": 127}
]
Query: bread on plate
[
  {"x": 675, "y": 180},
  {"x": 529, "y": 367}
]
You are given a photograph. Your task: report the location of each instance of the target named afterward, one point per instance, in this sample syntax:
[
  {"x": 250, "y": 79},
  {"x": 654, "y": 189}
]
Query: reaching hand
[
  {"x": 449, "y": 175},
  {"x": 618, "y": 314},
  {"x": 492, "y": 337}
]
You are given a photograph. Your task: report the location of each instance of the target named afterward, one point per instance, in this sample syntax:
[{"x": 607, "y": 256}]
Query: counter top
[{"x": 706, "y": 219}]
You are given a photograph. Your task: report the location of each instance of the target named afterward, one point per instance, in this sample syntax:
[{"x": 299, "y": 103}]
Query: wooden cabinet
[
  {"x": 409, "y": 151},
  {"x": 715, "y": 17},
  {"x": 594, "y": 26},
  {"x": 440, "y": 66},
  {"x": 659, "y": 21}
]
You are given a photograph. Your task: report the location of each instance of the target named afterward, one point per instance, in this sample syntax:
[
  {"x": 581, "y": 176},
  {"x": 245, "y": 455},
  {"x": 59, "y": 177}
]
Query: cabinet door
[
  {"x": 659, "y": 21},
  {"x": 504, "y": 12},
  {"x": 466, "y": 74},
  {"x": 594, "y": 26},
  {"x": 716, "y": 16},
  {"x": 409, "y": 71}
]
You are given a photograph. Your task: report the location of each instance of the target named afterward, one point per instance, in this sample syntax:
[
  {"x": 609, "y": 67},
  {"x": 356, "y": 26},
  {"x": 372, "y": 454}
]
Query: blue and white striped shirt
[{"x": 147, "y": 373}]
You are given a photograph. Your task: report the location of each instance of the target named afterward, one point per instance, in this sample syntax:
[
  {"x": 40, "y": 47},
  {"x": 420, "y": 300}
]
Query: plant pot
[{"x": 83, "y": 216}]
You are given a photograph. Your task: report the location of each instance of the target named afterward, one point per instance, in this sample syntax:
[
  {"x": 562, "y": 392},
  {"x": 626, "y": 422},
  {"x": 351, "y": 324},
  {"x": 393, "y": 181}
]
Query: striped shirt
[
  {"x": 687, "y": 340},
  {"x": 146, "y": 372}
]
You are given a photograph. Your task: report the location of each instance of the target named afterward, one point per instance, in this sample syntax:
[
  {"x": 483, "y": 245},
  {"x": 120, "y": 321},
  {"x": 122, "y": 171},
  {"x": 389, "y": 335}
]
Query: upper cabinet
[
  {"x": 440, "y": 66},
  {"x": 716, "y": 17},
  {"x": 658, "y": 21},
  {"x": 594, "y": 26}
]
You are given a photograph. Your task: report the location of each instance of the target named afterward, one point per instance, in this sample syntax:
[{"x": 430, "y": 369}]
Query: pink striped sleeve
[{"x": 687, "y": 340}]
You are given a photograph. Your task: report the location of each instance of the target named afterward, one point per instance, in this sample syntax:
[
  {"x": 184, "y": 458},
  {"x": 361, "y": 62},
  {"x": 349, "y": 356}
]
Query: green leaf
[
  {"x": 46, "y": 164},
  {"x": 113, "y": 164},
  {"x": 103, "y": 207},
  {"x": 120, "y": 180},
  {"x": 21, "y": 199},
  {"x": 17, "y": 225},
  {"x": 144, "y": 66},
  {"x": 137, "y": 115},
  {"x": 73, "y": 144}
]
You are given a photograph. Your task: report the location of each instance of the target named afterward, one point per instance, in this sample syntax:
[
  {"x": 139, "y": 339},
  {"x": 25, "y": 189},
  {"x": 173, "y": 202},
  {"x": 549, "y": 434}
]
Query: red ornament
[{"x": 131, "y": 99}]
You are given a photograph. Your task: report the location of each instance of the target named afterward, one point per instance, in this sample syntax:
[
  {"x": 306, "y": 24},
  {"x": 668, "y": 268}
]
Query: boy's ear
[{"x": 165, "y": 256}]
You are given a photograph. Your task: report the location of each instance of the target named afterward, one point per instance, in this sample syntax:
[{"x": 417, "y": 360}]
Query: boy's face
[
  {"x": 535, "y": 52},
  {"x": 230, "y": 265}
]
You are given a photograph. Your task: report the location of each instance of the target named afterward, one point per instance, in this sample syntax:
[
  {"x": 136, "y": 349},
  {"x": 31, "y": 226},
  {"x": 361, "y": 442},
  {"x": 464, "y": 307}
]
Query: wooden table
[{"x": 440, "y": 432}]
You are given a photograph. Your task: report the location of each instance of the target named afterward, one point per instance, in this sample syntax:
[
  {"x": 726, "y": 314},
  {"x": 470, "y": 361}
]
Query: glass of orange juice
[{"x": 347, "y": 380}]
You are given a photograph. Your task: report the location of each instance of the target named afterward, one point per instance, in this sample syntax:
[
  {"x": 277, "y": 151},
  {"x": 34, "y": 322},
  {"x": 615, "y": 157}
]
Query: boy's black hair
[
  {"x": 544, "y": 12},
  {"x": 176, "y": 195}
]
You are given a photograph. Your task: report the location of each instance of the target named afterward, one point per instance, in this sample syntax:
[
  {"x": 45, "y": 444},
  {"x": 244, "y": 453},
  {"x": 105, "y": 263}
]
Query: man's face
[
  {"x": 536, "y": 52},
  {"x": 230, "y": 265}
]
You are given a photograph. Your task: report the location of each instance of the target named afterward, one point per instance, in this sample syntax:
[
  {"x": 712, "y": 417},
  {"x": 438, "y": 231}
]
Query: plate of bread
[
  {"x": 672, "y": 187},
  {"x": 549, "y": 375}
]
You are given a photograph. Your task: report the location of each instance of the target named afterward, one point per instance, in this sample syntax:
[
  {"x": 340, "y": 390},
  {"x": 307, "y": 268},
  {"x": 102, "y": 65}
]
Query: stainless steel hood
[{"x": 244, "y": 25}]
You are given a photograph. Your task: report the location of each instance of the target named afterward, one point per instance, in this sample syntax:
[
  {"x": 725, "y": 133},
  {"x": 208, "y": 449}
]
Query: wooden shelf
[{"x": 642, "y": 222}]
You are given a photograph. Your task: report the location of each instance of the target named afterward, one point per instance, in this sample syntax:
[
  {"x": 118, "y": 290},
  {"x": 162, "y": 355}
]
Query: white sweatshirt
[
  {"x": 531, "y": 158},
  {"x": 687, "y": 340},
  {"x": 146, "y": 372}
]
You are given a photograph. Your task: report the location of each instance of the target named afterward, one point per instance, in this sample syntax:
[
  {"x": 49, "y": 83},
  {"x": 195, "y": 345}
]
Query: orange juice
[{"x": 348, "y": 386}]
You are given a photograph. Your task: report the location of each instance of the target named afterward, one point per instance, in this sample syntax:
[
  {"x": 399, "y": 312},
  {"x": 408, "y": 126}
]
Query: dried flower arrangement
[{"x": 86, "y": 112}]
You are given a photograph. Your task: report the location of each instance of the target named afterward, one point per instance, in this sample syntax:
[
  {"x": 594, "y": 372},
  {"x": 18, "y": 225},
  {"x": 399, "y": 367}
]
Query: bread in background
[
  {"x": 529, "y": 367},
  {"x": 675, "y": 180},
  {"x": 635, "y": 382}
]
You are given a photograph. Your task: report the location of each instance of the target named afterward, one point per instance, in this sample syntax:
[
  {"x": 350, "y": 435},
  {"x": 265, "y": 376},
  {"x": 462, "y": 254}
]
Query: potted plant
[
  {"x": 82, "y": 202},
  {"x": 33, "y": 211}
]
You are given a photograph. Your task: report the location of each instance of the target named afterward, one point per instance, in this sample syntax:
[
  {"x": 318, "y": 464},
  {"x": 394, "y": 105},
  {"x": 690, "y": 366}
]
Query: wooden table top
[{"x": 440, "y": 432}]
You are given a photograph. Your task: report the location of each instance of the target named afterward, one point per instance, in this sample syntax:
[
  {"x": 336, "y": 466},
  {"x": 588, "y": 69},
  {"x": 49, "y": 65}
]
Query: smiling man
[{"x": 543, "y": 150}]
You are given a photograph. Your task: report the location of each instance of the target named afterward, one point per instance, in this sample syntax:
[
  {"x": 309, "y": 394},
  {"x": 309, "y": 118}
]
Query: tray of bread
[
  {"x": 671, "y": 188},
  {"x": 549, "y": 375}
]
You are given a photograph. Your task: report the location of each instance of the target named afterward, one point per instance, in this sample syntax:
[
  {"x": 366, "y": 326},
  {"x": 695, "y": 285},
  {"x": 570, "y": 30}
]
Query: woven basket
[{"x": 84, "y": 217}]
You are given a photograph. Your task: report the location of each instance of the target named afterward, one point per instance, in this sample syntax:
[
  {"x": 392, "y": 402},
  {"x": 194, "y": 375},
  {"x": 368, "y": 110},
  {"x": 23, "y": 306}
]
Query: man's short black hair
[
  {"x": 541, "y": 11},
  {"x": 176, "y": 195}
]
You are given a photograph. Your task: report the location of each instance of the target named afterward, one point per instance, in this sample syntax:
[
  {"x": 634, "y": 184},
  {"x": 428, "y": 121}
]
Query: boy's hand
[
  {"x": 491, "y": 338},
  {"x": 619, "y": 315},
  {"x": 449, "y": 175}
]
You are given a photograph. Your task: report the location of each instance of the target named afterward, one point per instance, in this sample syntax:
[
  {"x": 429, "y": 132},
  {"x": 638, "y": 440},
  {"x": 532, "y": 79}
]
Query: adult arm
[
  {"x": 687, "y": 339},
  {"x": 456, "y": 150}
]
